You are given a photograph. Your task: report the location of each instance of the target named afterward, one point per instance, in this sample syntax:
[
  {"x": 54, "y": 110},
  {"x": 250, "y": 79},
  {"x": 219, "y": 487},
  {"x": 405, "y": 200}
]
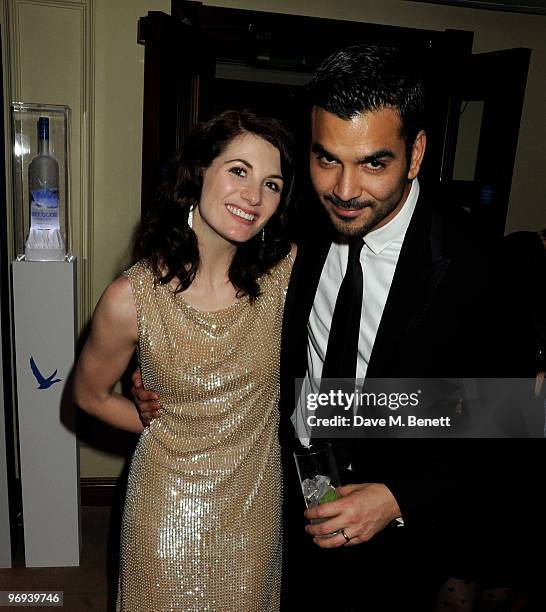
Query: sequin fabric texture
[{"x": 202, "y": 521}]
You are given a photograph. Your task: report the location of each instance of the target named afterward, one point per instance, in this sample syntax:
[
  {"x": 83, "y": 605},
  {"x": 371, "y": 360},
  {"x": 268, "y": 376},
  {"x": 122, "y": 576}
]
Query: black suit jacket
[
  {"x": 436, "y": 323},
  {"x": 446, "y": 315}
]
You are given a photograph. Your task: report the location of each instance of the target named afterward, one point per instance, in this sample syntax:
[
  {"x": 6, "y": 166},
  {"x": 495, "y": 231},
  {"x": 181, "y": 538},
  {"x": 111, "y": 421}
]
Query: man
[
  {"x": 419, "y": 276},
  {"x": 367, "y": 147}
]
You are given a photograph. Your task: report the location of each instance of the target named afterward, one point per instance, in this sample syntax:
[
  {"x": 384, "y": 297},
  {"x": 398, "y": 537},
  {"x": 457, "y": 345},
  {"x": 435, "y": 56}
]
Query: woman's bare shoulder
[
  {"x": 293, "y": 250},
  {"x": 116, "y": 306},
  {"x": 119, "y": 291}
]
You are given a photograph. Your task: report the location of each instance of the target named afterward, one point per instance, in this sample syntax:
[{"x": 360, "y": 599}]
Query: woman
[{"x": 201, "y": 527}]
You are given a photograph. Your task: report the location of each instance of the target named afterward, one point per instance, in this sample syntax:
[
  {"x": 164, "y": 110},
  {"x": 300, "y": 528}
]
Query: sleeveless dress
[{"x": 202, "y": 520}]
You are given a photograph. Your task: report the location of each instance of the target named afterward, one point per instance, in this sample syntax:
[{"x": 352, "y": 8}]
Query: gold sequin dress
[{"x": 202, "y": 520}]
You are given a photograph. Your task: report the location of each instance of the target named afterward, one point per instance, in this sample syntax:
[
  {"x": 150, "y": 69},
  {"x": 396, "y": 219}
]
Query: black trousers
[{"x": 395, "y": 571}]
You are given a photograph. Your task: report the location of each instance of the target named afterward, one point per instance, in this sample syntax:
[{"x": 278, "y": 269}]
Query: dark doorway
[{"x": 485, "y": 101}]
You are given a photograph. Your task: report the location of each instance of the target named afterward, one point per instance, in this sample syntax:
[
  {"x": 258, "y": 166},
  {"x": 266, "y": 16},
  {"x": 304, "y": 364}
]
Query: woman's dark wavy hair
[{"x": 164, "y": 237}]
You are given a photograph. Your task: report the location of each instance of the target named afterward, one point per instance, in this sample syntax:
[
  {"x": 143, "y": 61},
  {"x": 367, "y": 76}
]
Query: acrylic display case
[{"x": 41, "y": 179}]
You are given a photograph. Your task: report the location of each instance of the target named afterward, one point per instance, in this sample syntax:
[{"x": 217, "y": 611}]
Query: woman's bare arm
[{"x": 105, "y": 356}]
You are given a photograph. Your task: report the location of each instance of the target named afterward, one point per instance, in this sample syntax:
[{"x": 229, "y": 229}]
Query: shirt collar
[{"x": 379, "y": 239}]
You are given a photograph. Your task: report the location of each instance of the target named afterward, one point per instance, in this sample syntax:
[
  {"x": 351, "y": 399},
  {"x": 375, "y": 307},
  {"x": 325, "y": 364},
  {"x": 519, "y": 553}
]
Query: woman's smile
[{"x": 245, "y": 215}]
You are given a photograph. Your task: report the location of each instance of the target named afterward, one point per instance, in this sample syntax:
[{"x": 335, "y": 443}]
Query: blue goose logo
[{"x": 44, "y": 383}]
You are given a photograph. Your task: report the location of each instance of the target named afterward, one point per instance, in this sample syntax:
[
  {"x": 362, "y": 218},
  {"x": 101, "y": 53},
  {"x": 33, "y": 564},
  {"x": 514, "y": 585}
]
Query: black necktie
[
  {"x": 342, "y": 351},
  {"x": 341, "y": 354}
]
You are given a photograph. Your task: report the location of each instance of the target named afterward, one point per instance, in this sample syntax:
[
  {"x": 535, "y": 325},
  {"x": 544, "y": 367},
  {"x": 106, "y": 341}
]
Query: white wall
[{"x": 119, "y": 85}]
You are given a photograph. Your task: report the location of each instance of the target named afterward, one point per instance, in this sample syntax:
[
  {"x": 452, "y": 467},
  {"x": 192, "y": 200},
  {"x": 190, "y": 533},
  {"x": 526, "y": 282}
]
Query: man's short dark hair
[{"x": 367, "y": 78}]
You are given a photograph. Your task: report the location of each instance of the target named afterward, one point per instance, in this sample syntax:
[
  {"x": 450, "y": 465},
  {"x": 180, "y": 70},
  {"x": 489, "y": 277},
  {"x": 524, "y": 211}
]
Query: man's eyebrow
[
  {"x": 320, "y": 150},
  {"x": 381, "y": 154}
]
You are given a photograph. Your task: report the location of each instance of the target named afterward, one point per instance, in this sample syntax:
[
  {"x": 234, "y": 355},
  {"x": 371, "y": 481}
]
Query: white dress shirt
[{"x": 378, "y": 259}]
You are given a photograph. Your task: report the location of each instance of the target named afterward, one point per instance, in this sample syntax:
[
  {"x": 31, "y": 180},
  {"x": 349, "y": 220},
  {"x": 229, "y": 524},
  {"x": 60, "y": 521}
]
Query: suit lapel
[
  {"x": 419, "y": 271},
  {"x": 299, "y": 301}
]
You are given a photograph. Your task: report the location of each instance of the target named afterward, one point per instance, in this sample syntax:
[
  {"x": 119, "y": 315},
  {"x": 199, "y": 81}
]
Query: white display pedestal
[{"x": 44, "y": 314}]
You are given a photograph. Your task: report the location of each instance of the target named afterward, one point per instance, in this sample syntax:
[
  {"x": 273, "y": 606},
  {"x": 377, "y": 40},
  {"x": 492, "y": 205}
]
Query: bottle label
[{"x": 44, "y": 208}]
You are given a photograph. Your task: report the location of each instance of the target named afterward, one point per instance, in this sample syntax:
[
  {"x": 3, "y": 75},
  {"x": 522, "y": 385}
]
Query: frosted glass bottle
[{"x": 45, "y": 241}]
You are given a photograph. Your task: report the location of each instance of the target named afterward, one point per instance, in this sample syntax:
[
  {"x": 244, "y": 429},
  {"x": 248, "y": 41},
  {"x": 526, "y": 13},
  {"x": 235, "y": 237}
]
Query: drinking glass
[{"x": 318, "y": 474}]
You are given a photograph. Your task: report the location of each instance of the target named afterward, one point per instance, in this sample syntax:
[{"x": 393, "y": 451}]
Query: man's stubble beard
[{"x": 350, "y": 228}]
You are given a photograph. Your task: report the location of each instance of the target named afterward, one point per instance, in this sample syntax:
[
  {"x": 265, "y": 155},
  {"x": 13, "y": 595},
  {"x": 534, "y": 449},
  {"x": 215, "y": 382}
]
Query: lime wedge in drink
[{"x": 330, "y": 495}]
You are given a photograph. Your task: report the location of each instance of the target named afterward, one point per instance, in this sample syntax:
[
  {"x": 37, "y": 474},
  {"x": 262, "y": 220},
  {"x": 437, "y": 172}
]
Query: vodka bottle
[{"x": 45, "y": 241}]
